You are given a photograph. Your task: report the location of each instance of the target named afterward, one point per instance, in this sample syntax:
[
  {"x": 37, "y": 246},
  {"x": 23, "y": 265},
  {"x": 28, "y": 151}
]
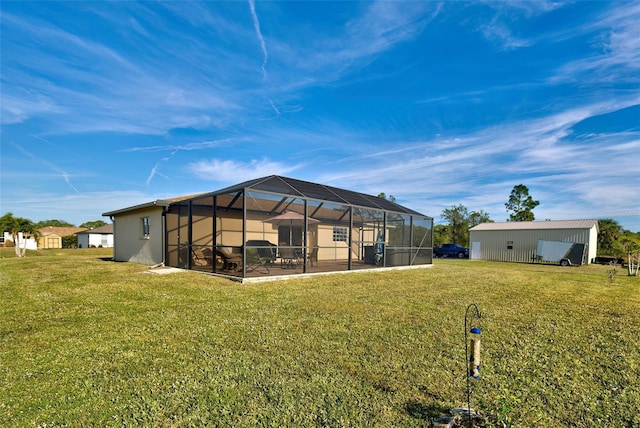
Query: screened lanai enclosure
[{"x": 277, "y": 226}]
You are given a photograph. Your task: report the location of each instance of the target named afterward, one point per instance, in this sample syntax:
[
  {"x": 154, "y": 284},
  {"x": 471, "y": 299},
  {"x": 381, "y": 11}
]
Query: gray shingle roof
[{"x": 107, "y": 228}]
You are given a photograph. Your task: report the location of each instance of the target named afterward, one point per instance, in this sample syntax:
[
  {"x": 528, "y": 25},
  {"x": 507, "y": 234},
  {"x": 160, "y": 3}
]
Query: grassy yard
[{"x": 89, "y": 342}]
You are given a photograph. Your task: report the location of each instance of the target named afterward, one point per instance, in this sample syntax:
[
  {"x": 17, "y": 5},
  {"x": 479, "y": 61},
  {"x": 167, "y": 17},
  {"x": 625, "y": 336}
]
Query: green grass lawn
[{"x": 89, "y": 342}]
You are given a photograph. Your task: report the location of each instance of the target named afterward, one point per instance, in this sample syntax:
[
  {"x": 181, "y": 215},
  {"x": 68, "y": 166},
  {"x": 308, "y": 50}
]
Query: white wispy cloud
[
  {"x": 619, "y": 55},
  {"x": 321, "y": 59},
  {"x": 76, "y": 208},
  {"x": 479, "y": 169},
  {"x": 16, "y": 108},
  {"x": 504, "y": 25},
  {"x": 501, "y": 33},
  {"x": 228, "y": 171},
  {"x": 201, "y": 145},
  {"x": 92, "y": 87}
]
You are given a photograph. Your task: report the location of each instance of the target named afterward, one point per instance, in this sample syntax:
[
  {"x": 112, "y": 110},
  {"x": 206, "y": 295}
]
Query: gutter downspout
[
  {"x": 113, "y": 221},
  {"x": 163, "y": 233}
]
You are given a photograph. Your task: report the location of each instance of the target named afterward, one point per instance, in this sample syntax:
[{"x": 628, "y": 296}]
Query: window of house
[
  {"x": 339, "y": 234},
  {"x": 509, "y": 245},
  {"x": 145, "y": 227},
  {"x": 104, "y": 240}
]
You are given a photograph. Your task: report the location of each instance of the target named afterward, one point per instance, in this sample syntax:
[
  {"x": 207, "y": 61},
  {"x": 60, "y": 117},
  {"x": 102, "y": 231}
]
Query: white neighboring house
[
  {"x": 30, "y": 243},
  {"x": 99, "y": 237}
]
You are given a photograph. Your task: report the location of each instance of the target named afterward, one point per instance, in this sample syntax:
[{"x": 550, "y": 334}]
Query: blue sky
[{"x": 110, "y": 104}]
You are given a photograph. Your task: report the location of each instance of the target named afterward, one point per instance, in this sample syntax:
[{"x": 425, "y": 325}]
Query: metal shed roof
[{"x": 538, "y": 225}]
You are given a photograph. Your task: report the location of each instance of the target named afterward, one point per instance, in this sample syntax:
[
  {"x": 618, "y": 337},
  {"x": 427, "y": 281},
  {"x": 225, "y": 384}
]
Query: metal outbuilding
[{"x": 517, "y": 241}]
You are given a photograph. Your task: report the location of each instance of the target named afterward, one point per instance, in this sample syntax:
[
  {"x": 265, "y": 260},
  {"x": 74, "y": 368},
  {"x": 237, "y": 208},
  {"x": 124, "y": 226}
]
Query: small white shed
[{"x": 516, "y": 241}]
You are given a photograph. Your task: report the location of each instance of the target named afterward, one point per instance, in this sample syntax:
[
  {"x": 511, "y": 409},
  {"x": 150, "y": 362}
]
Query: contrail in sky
[
  {"x": 263, "y": 45},
  {"x": 155, "y": 171},
  {"x": 66, "y": 177},
  {"x": 273, "y": 106}
]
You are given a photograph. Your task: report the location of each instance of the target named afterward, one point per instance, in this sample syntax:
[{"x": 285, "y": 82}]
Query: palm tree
[
  {"x": 16, "y": 226},
  {"x": 609, "y": 234}
]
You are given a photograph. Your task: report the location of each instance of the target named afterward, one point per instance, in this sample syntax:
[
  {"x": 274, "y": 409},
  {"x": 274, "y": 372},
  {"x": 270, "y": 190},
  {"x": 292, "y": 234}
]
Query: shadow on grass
[{"x": 418, "y": 410}]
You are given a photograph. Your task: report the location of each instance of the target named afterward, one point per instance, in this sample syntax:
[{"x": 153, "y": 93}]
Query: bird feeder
[{"x": 472, "y": 317}]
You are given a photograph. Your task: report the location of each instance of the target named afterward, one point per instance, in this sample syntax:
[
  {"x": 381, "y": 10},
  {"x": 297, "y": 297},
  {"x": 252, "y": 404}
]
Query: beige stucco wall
[
  {"x": 130, "y": 245},
  {"x": 229, "y": 232}
]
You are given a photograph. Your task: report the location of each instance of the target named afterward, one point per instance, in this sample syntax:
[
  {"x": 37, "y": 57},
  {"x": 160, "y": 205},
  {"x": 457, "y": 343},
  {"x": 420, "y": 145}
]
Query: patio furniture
[
  {"x": 266, "y": 250},
  {"x": 313, "y": 256},
  {"x": 257, "y": 263},
  {"x": 230, "y": 261},
  {"x": 289, "y": 257},
  {"x": 202, "y": 256}
]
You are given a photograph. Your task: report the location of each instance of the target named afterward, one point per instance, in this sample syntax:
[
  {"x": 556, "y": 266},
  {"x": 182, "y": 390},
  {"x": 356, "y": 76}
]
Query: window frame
[
  {"x": 145, "y": 227},
  {"x": 340, "y": 234}
]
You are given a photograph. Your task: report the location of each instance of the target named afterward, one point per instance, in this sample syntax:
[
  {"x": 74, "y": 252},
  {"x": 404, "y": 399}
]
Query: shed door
[{"x": 476, "y": 254}]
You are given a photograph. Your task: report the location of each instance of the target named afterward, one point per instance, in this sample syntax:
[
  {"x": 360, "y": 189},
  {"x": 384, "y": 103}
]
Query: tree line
[
  {"x": 29, "y": 229},
  {"x": 459, "y": 219},
  {"x": 613, "y": 239}
]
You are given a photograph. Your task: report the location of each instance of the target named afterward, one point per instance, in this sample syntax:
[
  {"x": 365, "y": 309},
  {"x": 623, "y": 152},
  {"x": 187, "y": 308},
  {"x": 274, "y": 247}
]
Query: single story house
[
  {"x": 51, "y": 236},
  {"x": 273, "y": 226},
  {"x": 97, "y": 237},
  {"x": 6, "y": 240},
  {"x": 517, "y": 241}
]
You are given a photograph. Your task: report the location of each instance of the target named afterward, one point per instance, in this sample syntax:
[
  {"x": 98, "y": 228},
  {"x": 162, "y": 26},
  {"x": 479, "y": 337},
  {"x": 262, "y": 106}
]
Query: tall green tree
[
  {"x": 458, "y": 218},
  {"x": 440, "y": 235},
  {"x": 460, "y": 221},
  {"x": 15, "y": 226},
  {"x": 521, "y": 204},
  {"x": 479, "y": 217},
  {"x": 389, "y": 198},
  {"x": 93, "y": 224},
  {"x": 630, "y": 245},
  {"x": 53, "y": 223},
  {"x": 609, "y": 233}
]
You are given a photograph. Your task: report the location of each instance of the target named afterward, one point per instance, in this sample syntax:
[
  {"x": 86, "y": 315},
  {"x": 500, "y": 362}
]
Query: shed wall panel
[{"x": 494, "y": 243}]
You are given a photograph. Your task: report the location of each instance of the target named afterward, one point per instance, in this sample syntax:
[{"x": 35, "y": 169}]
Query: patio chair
[
  {"x": 288, "y": 257},
  {"x": 202, "y": 256},
  {"x": 257, "y": 262},
  {"x": 266, "y": 250},
  {"x": 230, "y": 260},
  {"x": 313, "y": 256}
]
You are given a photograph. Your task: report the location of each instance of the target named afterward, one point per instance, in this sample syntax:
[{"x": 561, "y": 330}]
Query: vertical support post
[{"x": 472, "y": 317}]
